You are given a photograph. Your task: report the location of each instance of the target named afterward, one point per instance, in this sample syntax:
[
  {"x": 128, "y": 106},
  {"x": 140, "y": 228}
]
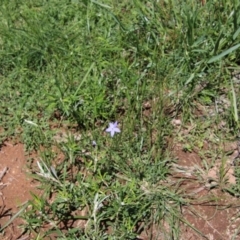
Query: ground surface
[
  {"x": 216, "y": 219},
  {"x": 168, "y": 73},
  {"x": 16, "y": 186}
]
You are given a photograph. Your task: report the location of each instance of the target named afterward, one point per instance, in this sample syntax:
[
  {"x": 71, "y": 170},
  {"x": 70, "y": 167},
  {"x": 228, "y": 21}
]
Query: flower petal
[
  {"x": 117, "y": 130},
  {"x": 112, "y": 133}
]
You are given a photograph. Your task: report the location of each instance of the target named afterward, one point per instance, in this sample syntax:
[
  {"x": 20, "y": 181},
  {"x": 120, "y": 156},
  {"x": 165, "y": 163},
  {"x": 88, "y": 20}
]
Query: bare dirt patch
[
  {"x": 15, "y": 187},
  {"x": 215, "y": 220},
  {"x": 212, "y": 211}
]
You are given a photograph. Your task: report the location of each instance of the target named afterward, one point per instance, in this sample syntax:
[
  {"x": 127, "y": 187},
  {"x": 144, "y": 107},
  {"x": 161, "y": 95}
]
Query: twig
[{"x": 3, "y": 173}]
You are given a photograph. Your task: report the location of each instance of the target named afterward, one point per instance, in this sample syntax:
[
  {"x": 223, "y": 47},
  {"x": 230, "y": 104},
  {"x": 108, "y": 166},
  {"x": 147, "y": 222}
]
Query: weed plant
[{"x": 75, "y": 66}]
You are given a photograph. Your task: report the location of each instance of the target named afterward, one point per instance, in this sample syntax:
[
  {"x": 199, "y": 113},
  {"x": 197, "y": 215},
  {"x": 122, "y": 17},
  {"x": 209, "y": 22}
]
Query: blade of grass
[
  {"x": 14, "y": 217},
  {"x": 84, "y": 79},
  {"x": 234, "y": 103},
  {"x": 224, "y": 53}
]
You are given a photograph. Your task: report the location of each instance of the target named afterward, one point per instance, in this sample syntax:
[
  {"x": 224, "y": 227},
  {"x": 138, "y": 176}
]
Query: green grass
[{"x": 78, "y": 65}]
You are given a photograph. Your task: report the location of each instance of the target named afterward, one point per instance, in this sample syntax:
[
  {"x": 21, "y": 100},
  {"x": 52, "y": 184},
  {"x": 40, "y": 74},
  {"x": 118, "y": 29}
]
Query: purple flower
[
  {"x": 94, "y": 144},
  {"x": 113, "y": 128}
]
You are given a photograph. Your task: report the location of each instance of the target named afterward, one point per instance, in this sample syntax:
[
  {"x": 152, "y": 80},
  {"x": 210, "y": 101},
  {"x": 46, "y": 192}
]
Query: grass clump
[{"x": 76, "y": 66}]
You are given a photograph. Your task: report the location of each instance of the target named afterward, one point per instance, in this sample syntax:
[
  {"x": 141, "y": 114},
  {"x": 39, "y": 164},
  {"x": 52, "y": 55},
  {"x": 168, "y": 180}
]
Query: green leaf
[
  {"x": 221, "y": 55},
  {"x": 13, "y": 217},
  {"x": 236, "y": 34},
  {"x": 234, "y": 103}
]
